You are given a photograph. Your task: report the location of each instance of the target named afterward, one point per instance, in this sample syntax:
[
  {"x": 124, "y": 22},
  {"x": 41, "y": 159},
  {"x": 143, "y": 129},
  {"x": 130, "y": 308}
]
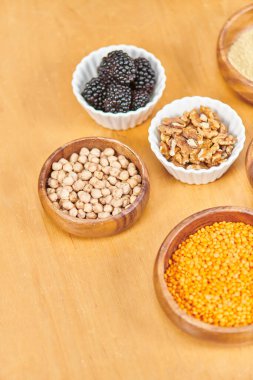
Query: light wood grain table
[{"x": 86, "y": 309}]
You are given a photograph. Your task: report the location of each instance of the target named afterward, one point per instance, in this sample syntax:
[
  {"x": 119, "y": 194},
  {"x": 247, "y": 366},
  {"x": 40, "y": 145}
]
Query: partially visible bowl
[
  {"x": 249, "y": 163},
  {"x": 234, "y": 26},
  {"x": 94, "y": 227},
  {"x": 179, "y": 233},
  {"x": 87, "y": 69},
  {"x": 176, "y": 108}
]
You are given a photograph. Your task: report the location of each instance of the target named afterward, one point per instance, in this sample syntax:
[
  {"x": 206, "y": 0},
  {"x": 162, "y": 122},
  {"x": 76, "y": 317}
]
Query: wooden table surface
[{"x": 72, "y": 308}]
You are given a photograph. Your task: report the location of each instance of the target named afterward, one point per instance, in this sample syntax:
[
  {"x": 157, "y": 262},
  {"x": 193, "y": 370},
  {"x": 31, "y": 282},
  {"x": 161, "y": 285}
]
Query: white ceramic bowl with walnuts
[
  {"x": 87, "y": 69},
  {"x": 226, "y": 115}
]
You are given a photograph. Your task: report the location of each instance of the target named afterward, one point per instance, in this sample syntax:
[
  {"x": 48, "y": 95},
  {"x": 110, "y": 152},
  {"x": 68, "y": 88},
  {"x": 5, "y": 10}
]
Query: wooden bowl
[
  {"x": 186, "y": 322},
  {"x": 234, "y": 26},
  {"x": 249, "y": 163},
  {"x": 96, "y": 227}
]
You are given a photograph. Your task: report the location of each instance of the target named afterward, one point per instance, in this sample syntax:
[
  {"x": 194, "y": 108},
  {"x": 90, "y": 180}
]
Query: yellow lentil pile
[{"x": 210, "y": 275}]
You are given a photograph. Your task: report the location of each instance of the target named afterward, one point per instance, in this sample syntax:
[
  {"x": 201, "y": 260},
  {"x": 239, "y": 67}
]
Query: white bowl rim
[
  {"x": 235, "y": 153},
  {"x": 106, "y": 50}
]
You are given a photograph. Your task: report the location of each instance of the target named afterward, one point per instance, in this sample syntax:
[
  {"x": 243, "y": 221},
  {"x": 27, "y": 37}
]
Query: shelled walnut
[{"x": 196, "y": 140}]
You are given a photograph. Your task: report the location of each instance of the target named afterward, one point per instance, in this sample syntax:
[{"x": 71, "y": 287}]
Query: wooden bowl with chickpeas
[{"x": 94, "y": 187}]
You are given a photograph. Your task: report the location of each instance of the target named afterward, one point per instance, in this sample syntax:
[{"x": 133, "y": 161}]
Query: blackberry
[
  {"x": 145, "y": 75},
  {"x": 118, "y": 98},
  {"x": 94, "y": 93},
  {"x": 117, "y": 66},
  {"x": 139, "y": 99}
]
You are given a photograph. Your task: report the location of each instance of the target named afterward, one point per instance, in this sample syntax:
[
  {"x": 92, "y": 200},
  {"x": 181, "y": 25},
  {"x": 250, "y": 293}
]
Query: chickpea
[
  {"x": 67, "y": 205},
  {"x": 56, "y": 205},
  {"x": 61, "y": 175},
  {"x": 73, "y": 196},
  {"x": 137, "y": 177},
  {"x": 124, "y": 175},
  {"x": 108, "y": 208},
  {"x": 112, "y": 159},
  {"x": 96, "y": 152},
  {"x": 102, "y": 200},
  {"x": 99, "y": 184},
  {"x": 132, "y": 182},
  {"x": 106, "y": 170},
  {"x": 58, "y": 190},
  {"x": 115, "y": 164},
  {"x": 108, "y": 152},
  {"x": 82, "y": 159},
  {"x": 91, "y": 215},
  {"x": 123, "y": 161},
  {"x": 104, "y": 162},
  {"x": 88, "y": 187},
  {"x": 79, "y": 205},
  {"x": 98, "y": 175},
  {"x": 50, "y": 190},
  {"x": 86, "y": 175},
  {"x": 93, "y": 159},
  {"x": 67, "y": 167},
  {"x": 62, "y": 161},
  {"x": 132, "y": 170},
  {"x": 78, "y": 185},
  {"x": 116, "y": 211},
  {"x": 114, "y": 172},
  {"x": 73, "y": 158},
  {"x": 132, "y": 199},
  {"x": 53, "y": 197},
  {"x": 77, "y": 167},
  {"x": 125, "y": 200},
  {"x": 90, "y": 166},
  {"x": 117, "y": 193},
  {"x": 94, "y": 201},
  {"x": 53, "y": 183},
  {"x": 68, "y": 188},
  {"x": 68, "y": 181},
  {"x": 84, "y": 196},
  {"x": 97, "y": 208},
  {"x": 116, "y": 202},
  {"x": 126, "y": 188},
  {"x": 73, "y": 212},
  {"x": 87, "y": 207},
  {"x": 112, "y": 180},
  {"x": 56, "y": 166},
  {"x": 84, "y": 152},
  {"x": 73, "y": 175},
  {"x": 81, "y": 214},
  {"x": 96, "y": 193},
  {"x": 108, "y": 199},
  {"x": 54, "y": 174},
  {"x": 136, "y": 190},
  {"x": 105, "y": 192}
]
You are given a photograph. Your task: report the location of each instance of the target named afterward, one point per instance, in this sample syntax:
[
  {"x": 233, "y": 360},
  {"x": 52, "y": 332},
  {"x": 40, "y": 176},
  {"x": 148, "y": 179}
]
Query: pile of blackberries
[{"x": 123, "y": 83}]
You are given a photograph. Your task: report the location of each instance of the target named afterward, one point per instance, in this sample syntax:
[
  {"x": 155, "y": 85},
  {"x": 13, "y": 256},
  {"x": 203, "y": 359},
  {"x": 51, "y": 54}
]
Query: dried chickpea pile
[
  {"x": 196, "y": 140},
  {"x": 93, "y": 184},
  {"x": 210, "y": 275}
]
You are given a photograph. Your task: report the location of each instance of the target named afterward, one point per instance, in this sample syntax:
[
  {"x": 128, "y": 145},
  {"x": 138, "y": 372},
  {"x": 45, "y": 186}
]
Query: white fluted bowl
[
  {"x": 87, "y": 69},
  {"x": 176, "y": 108}
]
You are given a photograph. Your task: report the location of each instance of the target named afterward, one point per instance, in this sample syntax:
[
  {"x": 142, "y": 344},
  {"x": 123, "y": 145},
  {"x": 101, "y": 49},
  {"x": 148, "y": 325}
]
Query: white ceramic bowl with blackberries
[{"x": 119, "y": 85}]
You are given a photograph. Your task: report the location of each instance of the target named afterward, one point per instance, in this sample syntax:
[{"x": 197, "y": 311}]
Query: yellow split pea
[{"x": 210, "y": 275}]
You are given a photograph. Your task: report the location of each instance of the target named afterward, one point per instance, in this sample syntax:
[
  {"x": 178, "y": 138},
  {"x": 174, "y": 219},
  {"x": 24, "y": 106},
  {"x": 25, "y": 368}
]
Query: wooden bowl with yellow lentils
[{"x": 203, "y": 274}]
